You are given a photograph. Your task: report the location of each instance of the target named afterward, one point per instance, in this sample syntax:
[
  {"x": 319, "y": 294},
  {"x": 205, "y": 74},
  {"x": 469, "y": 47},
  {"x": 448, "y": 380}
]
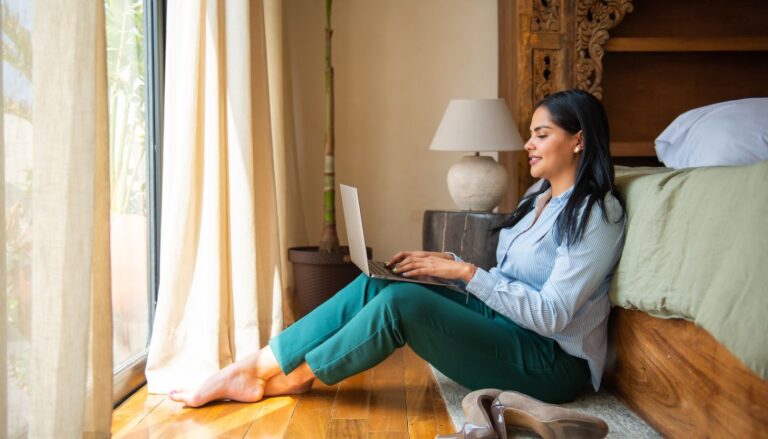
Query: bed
[{"x": 688, "y": 344}]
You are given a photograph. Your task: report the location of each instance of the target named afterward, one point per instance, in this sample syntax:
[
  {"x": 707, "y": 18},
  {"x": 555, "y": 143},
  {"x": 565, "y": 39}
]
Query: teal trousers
[{"x": 457, "y": 333}]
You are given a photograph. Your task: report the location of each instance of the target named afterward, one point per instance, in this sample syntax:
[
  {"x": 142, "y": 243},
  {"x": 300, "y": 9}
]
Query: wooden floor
[{"x": 396, "y": 399}]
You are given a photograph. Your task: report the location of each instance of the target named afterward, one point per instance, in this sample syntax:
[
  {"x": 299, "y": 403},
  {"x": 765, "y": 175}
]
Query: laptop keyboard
[{"x": 378, "y": 268}]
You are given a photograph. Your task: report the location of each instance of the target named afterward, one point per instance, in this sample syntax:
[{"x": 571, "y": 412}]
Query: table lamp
[{"x": 477, "y": 125}]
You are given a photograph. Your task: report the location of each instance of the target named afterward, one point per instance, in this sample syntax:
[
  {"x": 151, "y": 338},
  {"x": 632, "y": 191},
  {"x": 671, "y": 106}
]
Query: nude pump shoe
[
  {"x": 479, "y": 424},
  {"x": 549, "y": 421}
]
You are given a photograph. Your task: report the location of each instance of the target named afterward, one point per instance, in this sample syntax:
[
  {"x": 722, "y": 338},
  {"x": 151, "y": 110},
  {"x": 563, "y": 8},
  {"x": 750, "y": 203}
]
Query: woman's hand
[
  {"x": 396, "y": 259},
  {"x": 421, "y": 263}
]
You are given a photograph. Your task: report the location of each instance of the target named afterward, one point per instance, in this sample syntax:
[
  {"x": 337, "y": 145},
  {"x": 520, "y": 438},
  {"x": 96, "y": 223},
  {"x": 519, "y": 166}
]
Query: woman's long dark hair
[{"x": 574, "y": 111}]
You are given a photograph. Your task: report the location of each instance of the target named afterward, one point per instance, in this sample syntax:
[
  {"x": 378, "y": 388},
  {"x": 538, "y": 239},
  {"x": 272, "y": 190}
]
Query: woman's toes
[
  {"x": 177, "y": 395},
  {"x": 188, "y": 398}
]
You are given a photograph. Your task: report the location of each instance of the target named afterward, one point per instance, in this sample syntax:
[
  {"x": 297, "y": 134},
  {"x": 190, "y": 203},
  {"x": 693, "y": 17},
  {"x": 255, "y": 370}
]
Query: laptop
[{"x": 375, "y": 269}]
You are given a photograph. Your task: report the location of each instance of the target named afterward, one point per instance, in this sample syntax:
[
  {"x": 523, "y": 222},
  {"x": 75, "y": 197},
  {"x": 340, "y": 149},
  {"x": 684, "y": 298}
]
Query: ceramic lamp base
[{"x": 477, "y": 183}]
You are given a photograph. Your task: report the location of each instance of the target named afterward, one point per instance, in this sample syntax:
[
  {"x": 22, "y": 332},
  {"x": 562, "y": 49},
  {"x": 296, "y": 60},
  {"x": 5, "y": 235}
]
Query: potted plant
[{"x": 319, "y": 272}]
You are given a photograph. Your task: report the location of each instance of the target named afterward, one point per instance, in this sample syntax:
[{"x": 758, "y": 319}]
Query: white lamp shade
[{"x": 477, "y": 125}]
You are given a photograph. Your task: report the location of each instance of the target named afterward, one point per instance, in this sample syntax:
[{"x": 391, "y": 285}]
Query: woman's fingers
[
  {"x": 419, "y": 269},
  {"x": 410, "y": 264},
  {"x": 409, "y": 258},
  {"x": 397, "y": 258},
  {"x": 406, "y": 270},
  {"x": 403, "y": 264},
  {"x": 401, "y": 257},
  {"x": 416, "y": 272}
]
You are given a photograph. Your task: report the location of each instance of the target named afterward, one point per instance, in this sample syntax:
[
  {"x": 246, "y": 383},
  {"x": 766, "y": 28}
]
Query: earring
[{"x": 575, "y": 150}]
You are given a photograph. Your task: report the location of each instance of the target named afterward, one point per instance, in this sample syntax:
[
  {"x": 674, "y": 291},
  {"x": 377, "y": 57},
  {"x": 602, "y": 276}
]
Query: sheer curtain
[
  {"x": 60, "y": 380},
  {"x": 227, "y": 216}
]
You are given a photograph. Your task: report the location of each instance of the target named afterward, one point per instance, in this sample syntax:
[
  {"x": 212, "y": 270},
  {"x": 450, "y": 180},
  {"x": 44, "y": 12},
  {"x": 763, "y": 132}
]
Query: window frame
[{"x": 129, "y": 376}]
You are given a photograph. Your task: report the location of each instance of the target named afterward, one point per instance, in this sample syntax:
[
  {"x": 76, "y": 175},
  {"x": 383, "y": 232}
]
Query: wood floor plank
[
  {"x": 352, "y": 401},
  {"x": 274, "y": 417},
  {"x": 133, "y": 410},
  {"x": 443, "y": 419},
  {"x": 348, "y": 429},
  {"x": 172, "y": 420},
  {"x": 421, "y": 427},
  {"x": 413, "y": 366},
  {"x": 418, "y": 397},
  {"x": 391, "y": 368},
  {"x": 387, "y": 406},
  {"x": 388, "y": 435},
  {"x": 312, "y": 415},
  {"x": 155, "y": 423}
]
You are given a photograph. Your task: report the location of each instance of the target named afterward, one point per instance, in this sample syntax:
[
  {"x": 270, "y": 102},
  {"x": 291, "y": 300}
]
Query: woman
[{"x": 535, "y": 323}]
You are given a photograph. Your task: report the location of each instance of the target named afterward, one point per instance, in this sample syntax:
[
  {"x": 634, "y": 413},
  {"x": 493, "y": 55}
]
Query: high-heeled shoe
[
  {"x": 549, "y": 421},
  {"x": 479, "y": 424}
]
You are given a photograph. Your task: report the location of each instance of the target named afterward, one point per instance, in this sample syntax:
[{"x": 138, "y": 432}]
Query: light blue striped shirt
[{"x": 557, "y": 291}]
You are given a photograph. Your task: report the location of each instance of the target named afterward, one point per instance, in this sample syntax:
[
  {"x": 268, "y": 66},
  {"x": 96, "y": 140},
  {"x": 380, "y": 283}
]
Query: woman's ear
[{"x": 579, "y": 143}]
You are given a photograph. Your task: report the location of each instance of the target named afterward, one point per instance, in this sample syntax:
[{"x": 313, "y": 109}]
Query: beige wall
[{"x": 397, "y": 64}]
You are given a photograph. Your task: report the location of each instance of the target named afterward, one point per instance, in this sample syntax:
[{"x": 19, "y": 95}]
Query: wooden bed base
[{"x": 682, "y": 381}]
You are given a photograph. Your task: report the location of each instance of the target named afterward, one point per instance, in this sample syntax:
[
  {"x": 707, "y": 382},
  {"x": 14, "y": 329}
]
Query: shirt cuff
[{"x": 482, "y": 284}]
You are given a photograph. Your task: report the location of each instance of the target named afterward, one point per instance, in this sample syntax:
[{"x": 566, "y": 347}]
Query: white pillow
[{"x": 727, "y": 133}]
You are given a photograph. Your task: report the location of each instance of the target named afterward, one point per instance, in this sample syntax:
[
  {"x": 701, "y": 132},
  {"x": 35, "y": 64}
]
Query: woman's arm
[{"x": 577, "y": 273}]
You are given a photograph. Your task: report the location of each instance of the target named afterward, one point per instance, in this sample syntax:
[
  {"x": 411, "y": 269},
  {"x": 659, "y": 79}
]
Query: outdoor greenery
[
  {"x": 17, "y": 54},
  {"x": 127, "y": 105},
  {"x": 17, "y": 57}
]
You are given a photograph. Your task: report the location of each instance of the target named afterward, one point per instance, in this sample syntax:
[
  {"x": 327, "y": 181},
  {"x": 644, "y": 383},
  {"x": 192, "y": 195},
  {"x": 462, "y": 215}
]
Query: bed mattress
[{"x": 697, "y": 248}]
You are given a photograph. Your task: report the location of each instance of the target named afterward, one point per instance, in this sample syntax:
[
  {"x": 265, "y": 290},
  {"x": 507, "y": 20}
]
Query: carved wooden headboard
[{"x": 648, "y": 61}]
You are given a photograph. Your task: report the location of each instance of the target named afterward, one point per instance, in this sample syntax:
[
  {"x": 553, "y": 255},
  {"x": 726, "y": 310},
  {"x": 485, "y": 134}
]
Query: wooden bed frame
[{"x": 648, "y": 61}]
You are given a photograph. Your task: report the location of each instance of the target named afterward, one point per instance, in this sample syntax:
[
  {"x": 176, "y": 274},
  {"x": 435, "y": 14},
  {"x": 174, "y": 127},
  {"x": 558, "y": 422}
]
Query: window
[
  {"x": 17, "y": 133},
  {"x": 134, "y": 30},
  {"x": 128, "y": 176},
  {"x": 134, "y": 49}
]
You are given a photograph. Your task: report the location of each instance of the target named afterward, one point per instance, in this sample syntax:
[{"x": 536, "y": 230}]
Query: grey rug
[{"x": 622, "y": 422}]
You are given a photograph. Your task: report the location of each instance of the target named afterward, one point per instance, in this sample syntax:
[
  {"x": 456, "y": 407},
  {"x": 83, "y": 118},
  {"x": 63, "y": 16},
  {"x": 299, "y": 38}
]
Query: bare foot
[
  {"x": 228, "y": 383},
  {"x": 284, "y": 385},
  {"x": 248, "y": 380},
  {"x": 298, "y": 381}
]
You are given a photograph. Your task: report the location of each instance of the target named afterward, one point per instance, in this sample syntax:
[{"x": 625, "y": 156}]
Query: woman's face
[{"x": 553, "y": 153}]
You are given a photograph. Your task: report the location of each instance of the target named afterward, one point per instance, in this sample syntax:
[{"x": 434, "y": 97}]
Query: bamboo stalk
[{"x": 329, "y": 240}]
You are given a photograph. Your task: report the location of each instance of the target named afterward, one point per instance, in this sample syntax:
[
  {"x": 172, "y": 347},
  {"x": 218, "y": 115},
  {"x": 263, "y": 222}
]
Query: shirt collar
[
  {"x": 562, "y": 198},
  {"x": 546, "y": 196}
]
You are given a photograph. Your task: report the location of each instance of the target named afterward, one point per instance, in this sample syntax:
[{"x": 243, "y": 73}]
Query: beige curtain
[
  {"x": 226, "y": 217},
  {"x": 70, "y": 361},
  {"x": 3, "y": 299}
]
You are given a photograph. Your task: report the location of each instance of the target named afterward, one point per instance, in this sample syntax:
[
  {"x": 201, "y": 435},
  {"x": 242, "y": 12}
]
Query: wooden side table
[{"x": 465, "y": 233}]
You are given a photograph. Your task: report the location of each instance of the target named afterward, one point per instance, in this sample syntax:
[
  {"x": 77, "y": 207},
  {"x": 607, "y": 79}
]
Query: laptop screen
[{"x": 354, "y": 221}]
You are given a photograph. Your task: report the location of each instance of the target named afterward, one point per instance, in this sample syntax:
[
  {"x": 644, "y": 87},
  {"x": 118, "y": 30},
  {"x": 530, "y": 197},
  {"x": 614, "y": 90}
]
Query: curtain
[
  {"x": 3, "y": 295},
  {"x": 227, "y": 216},
  {"x": 62, "y": 383}
]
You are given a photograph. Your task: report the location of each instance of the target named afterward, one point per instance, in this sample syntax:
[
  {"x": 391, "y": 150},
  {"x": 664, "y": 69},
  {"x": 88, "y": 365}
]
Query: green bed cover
[{"x": 697, "y": 248}]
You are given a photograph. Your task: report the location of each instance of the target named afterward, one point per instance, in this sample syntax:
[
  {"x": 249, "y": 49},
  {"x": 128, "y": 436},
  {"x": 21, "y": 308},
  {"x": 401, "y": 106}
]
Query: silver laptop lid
[{"x": 354, "y": 221}]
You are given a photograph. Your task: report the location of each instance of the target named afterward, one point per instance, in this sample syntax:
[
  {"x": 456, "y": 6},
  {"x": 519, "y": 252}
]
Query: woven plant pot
[{"x": 320, "y": 275}]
